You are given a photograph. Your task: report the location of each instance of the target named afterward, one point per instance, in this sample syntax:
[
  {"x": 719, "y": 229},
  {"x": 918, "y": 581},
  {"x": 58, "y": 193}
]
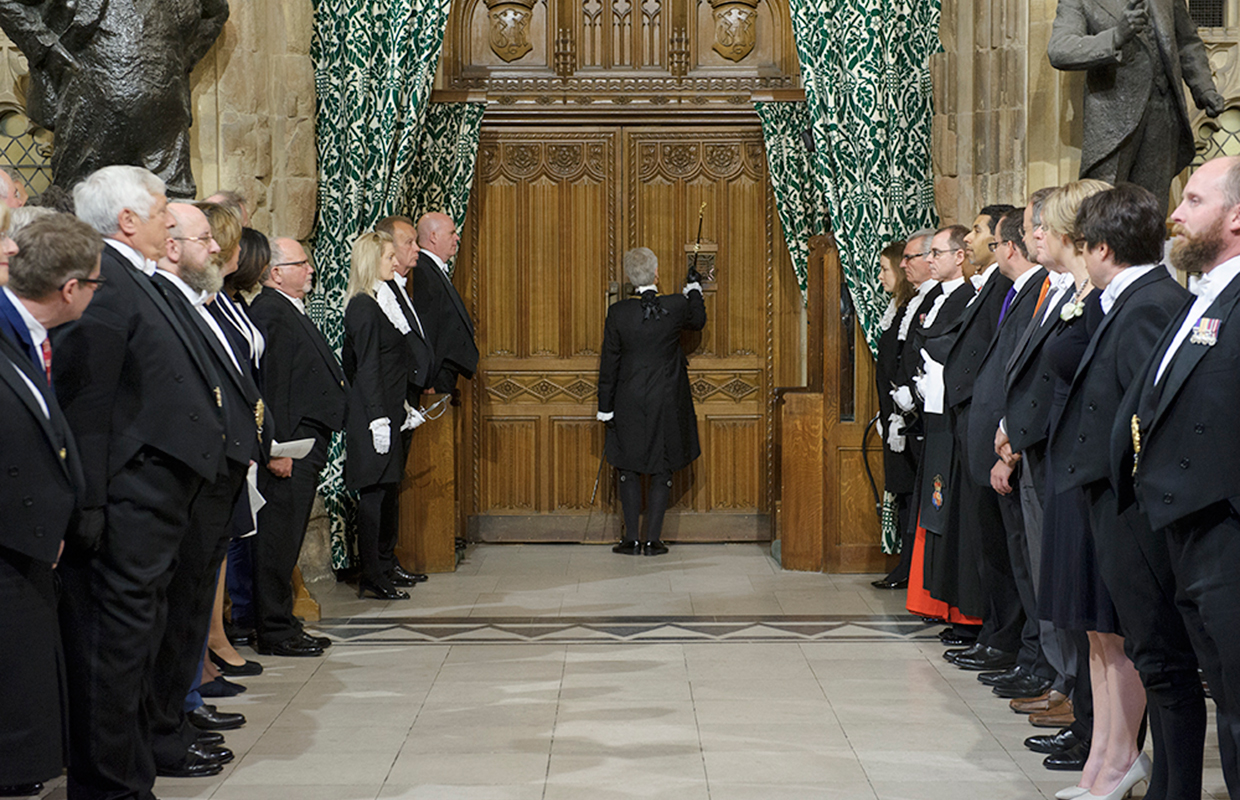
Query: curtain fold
[
  {"x": 864, "y": 65},
  {"x": 374, "y": 64},
  {"x": 443, "y": 171},
  {"x": 800, "y": 193}
]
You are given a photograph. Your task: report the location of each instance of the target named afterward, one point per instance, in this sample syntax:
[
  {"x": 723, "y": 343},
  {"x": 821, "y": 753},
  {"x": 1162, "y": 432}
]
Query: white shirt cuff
[
  {"x": 604, "y": 416},
  {"x": 691, "y": 287}
]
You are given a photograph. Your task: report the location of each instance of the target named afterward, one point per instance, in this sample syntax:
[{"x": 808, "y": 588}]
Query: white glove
[
  {"x": 903, "y": 398},
  {"x": 895, "y": 433},
  {"x": 381, "y": 435},
  {"x": 413, "y": 418},
  {"x": 931, "y": 385}
]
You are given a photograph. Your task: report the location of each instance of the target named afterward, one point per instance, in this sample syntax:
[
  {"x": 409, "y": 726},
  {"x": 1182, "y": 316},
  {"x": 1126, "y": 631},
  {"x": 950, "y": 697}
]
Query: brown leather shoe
[
  {"x": 1043, "y": 702},
  {"x": 1059, "y": 716}
]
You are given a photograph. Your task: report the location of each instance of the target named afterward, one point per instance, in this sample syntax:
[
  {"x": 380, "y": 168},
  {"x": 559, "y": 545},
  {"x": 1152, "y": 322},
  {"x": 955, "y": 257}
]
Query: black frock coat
[
  {"x": 643, "y": 377},
  {"x": 377, "y": 363},
  {"x": 899, "y": 469}
]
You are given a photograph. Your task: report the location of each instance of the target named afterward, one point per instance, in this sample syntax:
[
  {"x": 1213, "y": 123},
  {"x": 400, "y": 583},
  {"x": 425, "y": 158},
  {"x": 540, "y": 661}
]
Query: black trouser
[
  {"x": 1082, "y": 689},
  {"x": 1031, "y": 655},
  {"x": 1204, "y": 551},
  {"x": 1135, "y": 565},
  {"x": 281, "y": 529},
  {"x": 377, "y": 530},
  {"x": 656, "y": 503},
  {"x": 32, "y": 667},
  {"x": 908, "y": 533},
  {"x": 113, "y": 610},
  {"x": 191, "y": 599}
]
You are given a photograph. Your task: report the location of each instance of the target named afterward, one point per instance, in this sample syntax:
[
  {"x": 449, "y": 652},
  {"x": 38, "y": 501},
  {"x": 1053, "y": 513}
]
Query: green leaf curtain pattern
[
  {"x": 374, "y": 62},
  {"x": 443, "y": 171},
  {"x": 800, "y": 196},
  {"x": 864, "y": 65}
]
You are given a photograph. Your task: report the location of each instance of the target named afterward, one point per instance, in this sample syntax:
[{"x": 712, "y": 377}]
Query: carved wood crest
[
  {"x": 510, "y": 24},
  {"x": 734, "y": 27}
]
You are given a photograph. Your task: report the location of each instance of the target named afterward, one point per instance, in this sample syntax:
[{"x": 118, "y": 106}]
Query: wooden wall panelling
[
  {"x": 428, "y": 512},
  {"x": 511, "y": 453}
]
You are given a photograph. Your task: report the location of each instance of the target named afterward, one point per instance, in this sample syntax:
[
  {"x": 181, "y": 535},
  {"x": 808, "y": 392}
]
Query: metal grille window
[
  {"x": 1208, "y": 13},
  {"x": 1219, "y": 137},
  {"x": 27, "y": 148}
]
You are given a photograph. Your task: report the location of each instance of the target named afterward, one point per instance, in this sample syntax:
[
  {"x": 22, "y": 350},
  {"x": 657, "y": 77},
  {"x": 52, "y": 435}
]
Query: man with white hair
[
  {"x": 439, "y": 304},
  {"x": 146, "y": 410}
]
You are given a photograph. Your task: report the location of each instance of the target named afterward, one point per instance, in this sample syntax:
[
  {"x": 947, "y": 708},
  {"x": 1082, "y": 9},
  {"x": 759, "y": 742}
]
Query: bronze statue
[
  {"x": 111, "y": 79},
  {"x": 1136, "y": 54}
]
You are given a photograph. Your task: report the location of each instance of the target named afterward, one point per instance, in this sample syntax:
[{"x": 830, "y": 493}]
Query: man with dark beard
[{"x": 1174, "y": 441}]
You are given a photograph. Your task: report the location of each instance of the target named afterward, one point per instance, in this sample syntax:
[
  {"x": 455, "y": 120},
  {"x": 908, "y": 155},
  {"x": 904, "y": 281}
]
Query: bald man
[{"x": 439, "y": 305}]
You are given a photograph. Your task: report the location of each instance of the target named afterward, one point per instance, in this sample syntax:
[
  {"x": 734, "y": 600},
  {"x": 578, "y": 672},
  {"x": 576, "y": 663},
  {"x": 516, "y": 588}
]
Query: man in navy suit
[
  {"x": 38, "y": 501},
  {"x": 51, "y": 281}
]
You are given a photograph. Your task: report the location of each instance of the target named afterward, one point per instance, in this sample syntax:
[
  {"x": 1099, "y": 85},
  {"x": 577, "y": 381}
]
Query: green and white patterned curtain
[
  {"x": 374, "y": 63},
  {"x": 800, "y": 196},
  {"x": 443, "y": 172},
  {"x": 865, "y": 67}
]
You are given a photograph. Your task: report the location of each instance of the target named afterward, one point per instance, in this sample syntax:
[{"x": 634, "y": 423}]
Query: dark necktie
[{"x": 1007, "y": 303}]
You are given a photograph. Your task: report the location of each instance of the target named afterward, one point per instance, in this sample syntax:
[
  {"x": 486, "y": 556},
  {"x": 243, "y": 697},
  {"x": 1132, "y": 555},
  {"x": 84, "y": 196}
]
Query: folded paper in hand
[{"x": 298, "y": 448}]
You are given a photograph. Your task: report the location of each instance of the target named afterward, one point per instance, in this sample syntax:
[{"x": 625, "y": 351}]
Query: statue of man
[
  {"x": 1137, "y": 54},
  {"x": 111, "y": 79}
]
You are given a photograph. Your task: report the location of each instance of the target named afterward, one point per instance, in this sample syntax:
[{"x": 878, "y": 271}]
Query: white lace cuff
[{"x": 691, "y": 287}]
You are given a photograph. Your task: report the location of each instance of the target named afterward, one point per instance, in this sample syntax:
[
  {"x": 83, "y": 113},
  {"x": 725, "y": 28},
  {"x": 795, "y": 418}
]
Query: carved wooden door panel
[{"x": 552, "y": 211}]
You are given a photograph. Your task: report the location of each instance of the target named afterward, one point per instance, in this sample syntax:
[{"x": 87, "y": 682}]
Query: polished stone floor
[{"x": 564, "y": 671}]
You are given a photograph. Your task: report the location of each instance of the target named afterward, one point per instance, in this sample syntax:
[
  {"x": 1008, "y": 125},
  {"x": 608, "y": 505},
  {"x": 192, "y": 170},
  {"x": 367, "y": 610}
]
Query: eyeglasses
[
  {"x": 995, "y": 246},
  {"x": 200, "y": 239},
  {"x": 305, "y": 262},
  {"x": 935, "y": 253},
  {"x": 911, "y": 256},
  {"x": 95, "y": 283}
]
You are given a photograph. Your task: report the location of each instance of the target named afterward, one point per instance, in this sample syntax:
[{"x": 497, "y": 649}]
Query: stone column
[{"x": 254, "y": 114}]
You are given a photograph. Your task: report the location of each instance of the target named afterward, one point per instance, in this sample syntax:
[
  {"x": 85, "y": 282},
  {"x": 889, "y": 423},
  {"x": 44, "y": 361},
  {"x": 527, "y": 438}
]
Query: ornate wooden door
[{"x": 552, "y": 212}]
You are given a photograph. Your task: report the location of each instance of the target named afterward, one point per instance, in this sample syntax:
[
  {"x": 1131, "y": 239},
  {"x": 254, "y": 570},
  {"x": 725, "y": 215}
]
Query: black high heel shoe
[{"x": 380, "y": 592}]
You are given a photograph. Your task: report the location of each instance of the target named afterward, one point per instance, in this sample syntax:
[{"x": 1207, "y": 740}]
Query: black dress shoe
[
  {"x": 214, "y": 753},
  {"x": 406, "y": 575},
  {"x": 21, "y": 790},
  {"x": 956, "y": 640},
  {"x": 240, "y": 635},
  {"x": 1071, "y": 760},
  {"x": 1052, "y": 743},
  {"x": 1001, "y": 676},
  {"x": 294, "y": 646},
  {"x": 220, "y": 687},
  {"x": 379, "y": 592},
  {"x": 986, "y": 658},
  {"x": 196, "y": 763},
  {"x": 208, "y": 718},
  {"x": 209, "y": 737},
  {"x": 321, "y": 642},
  {"x": 1025, "y": 686},
  {"x": 628, "y": 547},
  {"x": 248, "y": 668},
  {"x": 655, "y": 548},
  {"x": 963, "y": 652},
  {"x": 399, "y": 581},
  {"x": 883, "y": 583}
]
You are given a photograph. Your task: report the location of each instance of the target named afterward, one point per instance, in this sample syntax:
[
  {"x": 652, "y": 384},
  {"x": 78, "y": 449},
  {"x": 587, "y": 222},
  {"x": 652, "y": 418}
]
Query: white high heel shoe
[
  {"x": 1071, "y": 793},
  {"x": 1139, "y": 771}
]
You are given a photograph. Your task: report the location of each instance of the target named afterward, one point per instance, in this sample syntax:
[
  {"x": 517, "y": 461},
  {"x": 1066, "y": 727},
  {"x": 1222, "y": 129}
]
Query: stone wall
[
  {"x": 254, "y": 114},
  {"x": 980, "y": 95}
]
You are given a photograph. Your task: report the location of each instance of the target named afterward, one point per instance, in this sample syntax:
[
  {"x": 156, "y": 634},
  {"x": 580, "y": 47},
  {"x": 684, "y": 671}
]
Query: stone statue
[
  {"x": 1137, "y": 54},
  {"x": 111, "y": 79}
]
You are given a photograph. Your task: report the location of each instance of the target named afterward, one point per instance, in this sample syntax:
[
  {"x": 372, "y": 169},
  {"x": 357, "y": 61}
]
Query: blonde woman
[{"x": 377, "y": 362}]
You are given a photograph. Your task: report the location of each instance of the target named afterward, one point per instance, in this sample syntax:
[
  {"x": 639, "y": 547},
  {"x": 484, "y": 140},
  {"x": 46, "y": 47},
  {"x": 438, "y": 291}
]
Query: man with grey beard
[{"x": 189, "y": 278}]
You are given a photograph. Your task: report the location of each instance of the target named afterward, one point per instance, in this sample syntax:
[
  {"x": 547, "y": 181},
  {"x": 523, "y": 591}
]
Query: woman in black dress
[
  {"x": 1072, "y": 595},
  {"x": 899, "y": 468},
  {"x": 644, "y": 397},
  {"x": 377, "y": 361}
]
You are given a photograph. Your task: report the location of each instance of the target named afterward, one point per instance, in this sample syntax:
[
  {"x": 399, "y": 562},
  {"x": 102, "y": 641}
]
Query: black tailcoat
[
  {"x": 989, "y": 395},
  {"x": 451, "y": 330},
  {"x": 643, "y": 377},
  {"x": 977, "y": 325},
  {"x": 421, "y": 373},
  {"x": 302, "y": 380},
  {"x": 1030, "y": 384},
  {"x": 377, "y": 362},
  {"x": 899, "y": 469}
]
